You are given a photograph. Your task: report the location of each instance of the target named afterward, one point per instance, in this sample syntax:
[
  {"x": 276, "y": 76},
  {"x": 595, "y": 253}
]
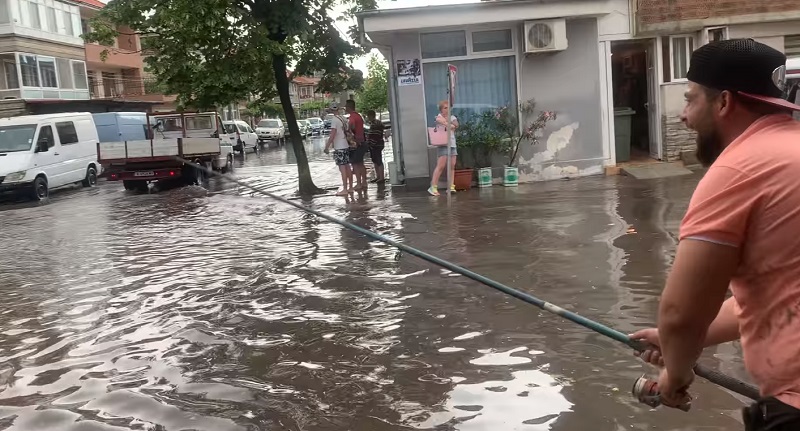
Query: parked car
[
  {"x": 304, "y": 127},
  {"x": 271, "y": 130},
  {"x": 39, "y": 153},
  {"x": 316, "y": 124},
  {"x": 241, "y": 135}
]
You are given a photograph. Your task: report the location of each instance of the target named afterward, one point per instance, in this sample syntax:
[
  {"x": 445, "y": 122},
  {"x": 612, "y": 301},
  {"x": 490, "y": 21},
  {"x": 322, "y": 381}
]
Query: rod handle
[{"x": 728, "y": 382}]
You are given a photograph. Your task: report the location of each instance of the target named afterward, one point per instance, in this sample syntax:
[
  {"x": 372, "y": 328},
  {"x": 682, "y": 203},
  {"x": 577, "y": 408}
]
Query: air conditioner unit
[{"x": 545, "y": 36}]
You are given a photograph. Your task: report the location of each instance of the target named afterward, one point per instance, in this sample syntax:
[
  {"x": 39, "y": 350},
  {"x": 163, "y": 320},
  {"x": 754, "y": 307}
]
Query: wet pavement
[{"x": 217, "y": 309}]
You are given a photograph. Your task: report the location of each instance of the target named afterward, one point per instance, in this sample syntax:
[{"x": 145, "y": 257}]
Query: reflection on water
[{"x": 222, "y": 310}]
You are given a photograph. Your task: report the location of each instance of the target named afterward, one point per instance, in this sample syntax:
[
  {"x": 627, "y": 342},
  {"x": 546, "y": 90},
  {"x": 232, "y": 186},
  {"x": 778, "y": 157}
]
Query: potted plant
[
  {"x": 465, "y": 141},
  {"x": 477, "y": 141},
  {"x": 518, "y": 126}
]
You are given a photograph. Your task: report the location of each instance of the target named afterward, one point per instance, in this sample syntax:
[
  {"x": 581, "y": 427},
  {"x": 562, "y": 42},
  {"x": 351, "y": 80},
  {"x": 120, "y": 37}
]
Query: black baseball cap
[{"x": 748, "y": 68}]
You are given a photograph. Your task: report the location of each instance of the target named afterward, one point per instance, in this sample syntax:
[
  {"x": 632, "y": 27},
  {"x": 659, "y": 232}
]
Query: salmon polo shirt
[{"x": 750, "y": 199}]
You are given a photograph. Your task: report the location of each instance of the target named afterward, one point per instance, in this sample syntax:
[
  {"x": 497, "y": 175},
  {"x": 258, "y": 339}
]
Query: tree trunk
[{"x": 306, "y": 184}]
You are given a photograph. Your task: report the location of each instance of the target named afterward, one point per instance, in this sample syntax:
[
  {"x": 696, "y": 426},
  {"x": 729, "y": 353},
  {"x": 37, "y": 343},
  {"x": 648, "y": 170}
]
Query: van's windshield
[{"x": 16, "y": 138}]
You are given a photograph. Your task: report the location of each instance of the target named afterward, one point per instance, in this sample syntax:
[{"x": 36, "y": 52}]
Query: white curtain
[{"x": 482, "y": 84}]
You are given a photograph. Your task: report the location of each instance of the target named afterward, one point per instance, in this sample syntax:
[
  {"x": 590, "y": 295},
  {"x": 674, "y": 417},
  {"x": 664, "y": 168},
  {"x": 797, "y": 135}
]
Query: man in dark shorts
[
  {"x": 356, "y": 125},
  {"x": 375, "y": 143}
]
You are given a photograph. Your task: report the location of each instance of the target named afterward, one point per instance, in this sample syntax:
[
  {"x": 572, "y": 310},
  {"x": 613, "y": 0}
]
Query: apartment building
[
  {"x": 121, "y": 76},
  {"x": 41, "y": 51},
  {"x": 666, "y": 33}
]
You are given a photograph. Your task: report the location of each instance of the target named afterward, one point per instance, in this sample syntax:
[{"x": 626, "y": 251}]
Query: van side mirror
[{"x": 42, "y": 145}]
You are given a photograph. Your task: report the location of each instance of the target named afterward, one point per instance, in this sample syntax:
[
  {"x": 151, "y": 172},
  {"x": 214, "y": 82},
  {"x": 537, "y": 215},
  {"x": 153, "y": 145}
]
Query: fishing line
[{"x": 723, "y": 380}]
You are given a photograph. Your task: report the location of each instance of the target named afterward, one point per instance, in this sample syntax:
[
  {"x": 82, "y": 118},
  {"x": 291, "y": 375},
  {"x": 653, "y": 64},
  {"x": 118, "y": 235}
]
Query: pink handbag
[{"x": 438, "y": 136}]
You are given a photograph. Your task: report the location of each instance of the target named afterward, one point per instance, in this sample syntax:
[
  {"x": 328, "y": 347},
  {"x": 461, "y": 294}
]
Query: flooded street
[{"x": 218, "y": 309}]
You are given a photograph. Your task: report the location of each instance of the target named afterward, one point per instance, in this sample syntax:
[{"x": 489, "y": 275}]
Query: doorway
[{"x": 635, "y": 88}]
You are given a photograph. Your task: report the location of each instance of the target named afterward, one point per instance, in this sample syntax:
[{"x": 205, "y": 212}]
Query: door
[
  {"x": 51, "y": 161},
  {"x": 653, "y": 116},
  {"x": 70, "y": 151},
  {"x": 252, "y": 137}
]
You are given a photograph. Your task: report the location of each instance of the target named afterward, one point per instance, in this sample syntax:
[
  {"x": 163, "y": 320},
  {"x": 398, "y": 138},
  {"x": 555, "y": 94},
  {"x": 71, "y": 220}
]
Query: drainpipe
[{"x": 394, "y": 110}]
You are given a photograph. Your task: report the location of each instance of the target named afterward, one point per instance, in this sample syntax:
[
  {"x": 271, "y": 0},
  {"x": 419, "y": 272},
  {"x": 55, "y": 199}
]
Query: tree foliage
[
  {"x": 375, "y": 92},
  {"x": 214, "y": 52}
]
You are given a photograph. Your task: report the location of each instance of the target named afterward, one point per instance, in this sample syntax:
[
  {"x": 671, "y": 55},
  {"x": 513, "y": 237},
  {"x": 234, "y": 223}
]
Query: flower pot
[
  {"x": 510, "y": 176},
  {"x": 462, "y": 178},
  {"x": 484, "y": 177}
]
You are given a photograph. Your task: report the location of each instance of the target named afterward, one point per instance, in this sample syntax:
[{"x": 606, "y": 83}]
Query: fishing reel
[{"x": 646, "y": 391}]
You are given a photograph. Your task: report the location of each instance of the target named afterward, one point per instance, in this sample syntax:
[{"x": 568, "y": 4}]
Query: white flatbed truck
[{"x": 195, "y": 137}]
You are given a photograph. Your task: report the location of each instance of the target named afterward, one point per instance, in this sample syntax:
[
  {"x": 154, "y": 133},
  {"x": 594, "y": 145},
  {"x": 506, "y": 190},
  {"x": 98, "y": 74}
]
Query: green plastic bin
[{"x": 622, "y": 133}]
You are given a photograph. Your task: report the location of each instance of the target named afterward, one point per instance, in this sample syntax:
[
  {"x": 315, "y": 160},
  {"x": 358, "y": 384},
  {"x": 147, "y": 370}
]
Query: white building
[
  {"x": 41, "y": 52},
  {"x": 580, "y": 58}
]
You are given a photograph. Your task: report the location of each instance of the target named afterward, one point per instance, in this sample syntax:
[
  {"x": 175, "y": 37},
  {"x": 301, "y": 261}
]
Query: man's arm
[
  {"x": 725, "y": 327},
  {"x": 695, "y": 291}
]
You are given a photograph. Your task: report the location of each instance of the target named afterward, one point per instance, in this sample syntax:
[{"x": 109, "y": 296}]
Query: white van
[{"x": 43, "y": 152}]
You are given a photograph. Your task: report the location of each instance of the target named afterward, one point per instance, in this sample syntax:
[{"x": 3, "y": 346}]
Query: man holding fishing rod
[{"x": 741, "y": 231}]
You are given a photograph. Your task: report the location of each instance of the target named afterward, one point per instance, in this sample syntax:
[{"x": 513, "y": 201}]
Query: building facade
[
  {"x": 613, "y": 70},
  {"x": 675, "y": 28},
  {"x": 41, "y": 51},
  {"x": 118, "y": 72}
]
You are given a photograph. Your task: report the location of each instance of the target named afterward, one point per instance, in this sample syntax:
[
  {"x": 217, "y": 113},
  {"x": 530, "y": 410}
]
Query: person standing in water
[
  {"x": 739, "y": 233},
  {"x": 356, "y": 125},
  {"x": 341, "y": 151},
  {"x": 376, "y": 144},
  {"x": 448, "y": 121}
]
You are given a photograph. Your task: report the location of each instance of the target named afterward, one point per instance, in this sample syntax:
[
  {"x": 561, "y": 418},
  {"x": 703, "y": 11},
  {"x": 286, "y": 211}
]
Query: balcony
[
  {"x": 138, "y": 89},
  {"x": 120, "y": 58}
]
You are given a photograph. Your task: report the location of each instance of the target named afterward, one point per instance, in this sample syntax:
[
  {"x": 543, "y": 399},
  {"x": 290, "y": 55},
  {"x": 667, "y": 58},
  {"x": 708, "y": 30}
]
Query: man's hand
[
  {"x": 674, "y": 390},
  {"x": 649, "y": 336}
]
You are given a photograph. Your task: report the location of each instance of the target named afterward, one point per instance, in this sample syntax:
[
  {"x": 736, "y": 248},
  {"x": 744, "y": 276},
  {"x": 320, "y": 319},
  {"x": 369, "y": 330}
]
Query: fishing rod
[{"x": 643, "y": 389}]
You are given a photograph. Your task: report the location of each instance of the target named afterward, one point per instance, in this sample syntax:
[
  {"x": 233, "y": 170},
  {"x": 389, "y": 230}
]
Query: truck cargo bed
[{"x": 156, "y": 149}]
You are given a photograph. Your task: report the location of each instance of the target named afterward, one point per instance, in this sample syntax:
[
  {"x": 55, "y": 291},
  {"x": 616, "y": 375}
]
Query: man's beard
[{"x": 709, "y": 147}]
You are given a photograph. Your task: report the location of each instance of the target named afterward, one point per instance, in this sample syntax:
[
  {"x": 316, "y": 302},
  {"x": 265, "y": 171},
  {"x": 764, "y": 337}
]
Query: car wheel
[
  {"x": 41, "y": 191},
  {"x": 91, "y": 177}
]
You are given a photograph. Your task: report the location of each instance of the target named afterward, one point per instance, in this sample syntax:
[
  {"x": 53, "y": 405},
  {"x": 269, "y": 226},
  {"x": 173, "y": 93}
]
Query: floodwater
[{"x": 217, "y": 310}]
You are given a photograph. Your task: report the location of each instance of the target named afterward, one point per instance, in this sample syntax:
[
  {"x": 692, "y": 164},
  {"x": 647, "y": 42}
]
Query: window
[
  {"x": 681, "y": 48},
  {"x": 79, "y": 75},
  {"x": 242, "y": 129},
  {"x": 199, "y": 123},
  {"x": 10, "y": 72},
  {"x": 64, "y": 73},
  {"x": 791, "y": 45},
  {"x": 33, "y": 15},
  {"x": 67, "y": 133},
  {"x": 85, "y": 26},
  {"x": 717, "y": 34},
  {"x": 483, "y": 84},
  {"x": 444, "y": 44},
  {"x": 68, "y": 24},
  {"x": 491, "y": 40},
  {"x": 4, "y": 17},
  {"x": 29, "y": 69},
  {"x": 52, "y": 25},
  {"x": 47, "y": 71},
  {"x": 46, "y": 136}
]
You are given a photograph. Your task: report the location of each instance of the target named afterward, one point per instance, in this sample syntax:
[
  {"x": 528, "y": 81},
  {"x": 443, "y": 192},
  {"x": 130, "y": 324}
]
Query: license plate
[{"x": 143, "y": 174}]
